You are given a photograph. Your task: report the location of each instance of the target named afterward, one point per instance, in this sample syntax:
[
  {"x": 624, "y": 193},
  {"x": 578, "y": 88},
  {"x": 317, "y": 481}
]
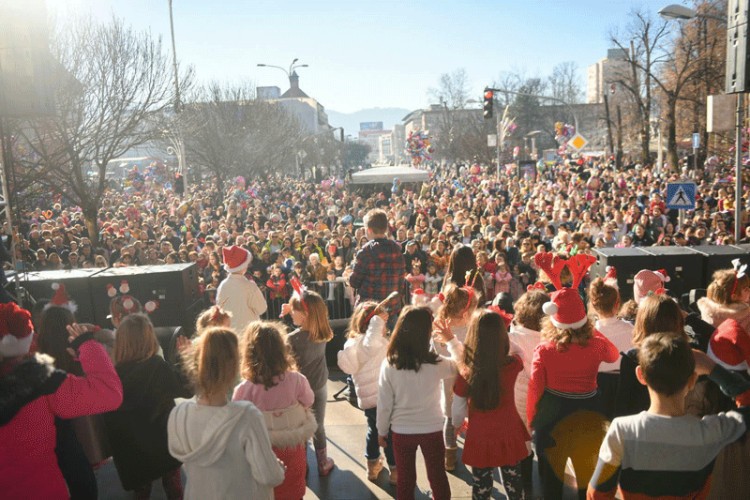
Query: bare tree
[
  {"x": 643, "y": 42},
  {"x": 452, "y": 90},
  {"x": 565, "y": 83},
  {"x": 229, "y": 132},
  {"x": 112, "y": 82}
]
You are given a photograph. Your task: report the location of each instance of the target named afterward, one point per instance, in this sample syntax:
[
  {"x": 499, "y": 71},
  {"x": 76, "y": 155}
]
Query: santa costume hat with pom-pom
[
  {"x": 60, "y": 299},
  {"x": 611, "y": 277},
  {"x": 648, "y": 282},
  {"x": 566, "y": 309},
  {"x": 16, "y": 330},
  {"x": 236, "y": 258}
]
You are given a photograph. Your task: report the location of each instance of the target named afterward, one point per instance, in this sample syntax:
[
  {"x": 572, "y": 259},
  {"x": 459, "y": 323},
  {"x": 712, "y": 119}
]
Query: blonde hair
[
  {"x": 265, "y": 353},
  {"x": 216, "y": 361},
  {"x": 457, "y": 301},
  {"x": 720, "y": 289},
  {"x": 213, "y": 316},
  {"x": 316, "y": 322},
  {"x": 564, "y": 337},
  {"x": 135, "y": 339},
  {"x": 357, "y": 325}
]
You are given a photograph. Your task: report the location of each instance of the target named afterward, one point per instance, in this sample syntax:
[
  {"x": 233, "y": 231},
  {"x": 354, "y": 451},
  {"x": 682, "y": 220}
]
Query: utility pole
[{"x": 610, "y": 144}]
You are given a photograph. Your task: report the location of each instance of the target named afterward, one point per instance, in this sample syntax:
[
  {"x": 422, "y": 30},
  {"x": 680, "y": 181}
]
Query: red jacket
[{"x": 34, "y": 393}]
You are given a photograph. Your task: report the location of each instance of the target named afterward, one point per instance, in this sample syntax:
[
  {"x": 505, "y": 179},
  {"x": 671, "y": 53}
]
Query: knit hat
[
  {"x": 566, "y": 310},
  {"x": 16, "y": 330},
  {"x": 60, "y": 299},
  {"x": 236, "y": 258},
  {"x": 647, "y": 281}
]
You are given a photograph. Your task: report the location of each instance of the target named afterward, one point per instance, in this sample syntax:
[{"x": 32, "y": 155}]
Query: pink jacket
[{"x": 33, "y": 394}]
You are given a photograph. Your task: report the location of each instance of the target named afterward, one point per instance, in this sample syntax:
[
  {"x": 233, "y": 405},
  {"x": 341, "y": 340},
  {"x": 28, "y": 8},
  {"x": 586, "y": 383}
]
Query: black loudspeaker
[
  {"x": 738, "y": 65},
  {"x": 683, "y": 265},
  {"x": 39, "y": 285},
  {"x": 627, "y": 262},
  {"x": 174, "y": 287},
  {"x": 718, "y": 257}
]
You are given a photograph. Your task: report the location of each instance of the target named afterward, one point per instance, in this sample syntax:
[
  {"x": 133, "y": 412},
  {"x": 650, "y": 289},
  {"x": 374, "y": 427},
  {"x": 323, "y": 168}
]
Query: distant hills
[{"x": 351, "y": 121}]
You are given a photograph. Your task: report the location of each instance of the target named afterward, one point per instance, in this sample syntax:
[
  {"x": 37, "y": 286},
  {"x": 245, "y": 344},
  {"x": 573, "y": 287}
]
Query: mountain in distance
[{"x": 351, "y": 121}]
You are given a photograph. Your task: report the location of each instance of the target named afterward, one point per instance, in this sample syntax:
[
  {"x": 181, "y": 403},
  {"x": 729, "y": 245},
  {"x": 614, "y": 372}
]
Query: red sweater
[{"x": 572, "y": 370}]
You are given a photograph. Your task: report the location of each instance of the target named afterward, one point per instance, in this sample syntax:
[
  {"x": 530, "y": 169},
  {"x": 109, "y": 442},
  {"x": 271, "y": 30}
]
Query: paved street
[{"x": 346, "y": 430}]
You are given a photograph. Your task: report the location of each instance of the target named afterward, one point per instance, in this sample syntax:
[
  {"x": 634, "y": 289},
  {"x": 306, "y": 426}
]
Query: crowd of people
[
  {"x": 472, "y": 314},
  {"x": 313, "y": 230}
]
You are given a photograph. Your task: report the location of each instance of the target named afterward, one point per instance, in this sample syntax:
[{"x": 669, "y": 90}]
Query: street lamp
[
  {"x": 288, "y": 72},
  {"x": 681, "y": 12}
]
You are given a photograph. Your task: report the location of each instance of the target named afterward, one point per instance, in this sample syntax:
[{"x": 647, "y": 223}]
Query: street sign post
[
  {"x": 577, "y": 142},
  {"x": 681, "y": 196}
]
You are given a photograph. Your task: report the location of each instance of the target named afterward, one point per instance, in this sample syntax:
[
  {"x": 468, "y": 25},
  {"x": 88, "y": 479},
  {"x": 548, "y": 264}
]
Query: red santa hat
[
  {"x": 419, "y": 297},
  {"x": 566, "y": 310},
  {"x": 648, "y": 282},
  {"x": 60, "y": 299},
  {"x": 236, "y": 258},
  {"x": 611, "y": 277},
  {"x": 16, "y": 330}
]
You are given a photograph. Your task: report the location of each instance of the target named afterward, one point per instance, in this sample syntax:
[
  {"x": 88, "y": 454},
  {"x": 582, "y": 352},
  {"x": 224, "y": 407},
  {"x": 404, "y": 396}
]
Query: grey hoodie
[{"x": 225, "y": 450}]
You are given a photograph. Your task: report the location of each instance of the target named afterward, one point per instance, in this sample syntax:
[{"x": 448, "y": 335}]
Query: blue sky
[{"x": 373, "y": 54}]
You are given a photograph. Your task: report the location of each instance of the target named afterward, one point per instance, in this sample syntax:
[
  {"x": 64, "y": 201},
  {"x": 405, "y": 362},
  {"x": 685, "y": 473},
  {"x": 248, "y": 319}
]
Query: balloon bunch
[
  {"x": 563, "y": 133},
  {"x": 419, "y": 147}
]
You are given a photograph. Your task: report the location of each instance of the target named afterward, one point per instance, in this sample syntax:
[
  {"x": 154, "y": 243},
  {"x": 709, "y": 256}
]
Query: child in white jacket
[{"x": 361, "y": 358}]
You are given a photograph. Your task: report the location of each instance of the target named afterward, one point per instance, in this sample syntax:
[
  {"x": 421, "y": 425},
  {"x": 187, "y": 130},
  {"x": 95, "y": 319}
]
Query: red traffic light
[{"x": 488, "y": 94}]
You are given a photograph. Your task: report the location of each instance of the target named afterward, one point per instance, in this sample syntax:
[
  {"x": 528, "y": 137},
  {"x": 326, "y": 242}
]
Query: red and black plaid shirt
[{"x": 378, "y": 270}]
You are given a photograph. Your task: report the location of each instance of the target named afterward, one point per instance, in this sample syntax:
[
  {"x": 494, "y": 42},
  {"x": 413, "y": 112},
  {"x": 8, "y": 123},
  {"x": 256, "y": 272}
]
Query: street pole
[
  {"x": 738, "y": 205},
  {"x": 498, "y": 139}
]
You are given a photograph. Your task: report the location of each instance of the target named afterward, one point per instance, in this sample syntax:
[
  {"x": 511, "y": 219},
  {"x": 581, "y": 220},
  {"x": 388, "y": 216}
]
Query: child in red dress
[{"x": 496, "y": 436}]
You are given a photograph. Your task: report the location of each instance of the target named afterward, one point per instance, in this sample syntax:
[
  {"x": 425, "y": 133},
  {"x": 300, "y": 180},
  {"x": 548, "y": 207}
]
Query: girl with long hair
[
  {"x": 563, "y": 405},
  {"x": 456, "y": 310},
  {"x": 272, "y": 383},
  {"x": 409, "y": 402},
  {"x": 137, "y": 430},
  {"x": 308, "y": 345},
  {"x": 496, "y": 436},
  {"x": 224, "y": 445},
  {"x": 462, "y": 269}
]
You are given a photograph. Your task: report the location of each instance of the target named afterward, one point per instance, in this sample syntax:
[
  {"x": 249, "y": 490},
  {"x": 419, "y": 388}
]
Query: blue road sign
[{"x": 681, "y": 195}]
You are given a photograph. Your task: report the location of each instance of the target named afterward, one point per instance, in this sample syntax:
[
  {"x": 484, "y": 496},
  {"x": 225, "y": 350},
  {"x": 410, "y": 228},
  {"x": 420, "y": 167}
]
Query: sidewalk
[{"x": 346, "y": 429}]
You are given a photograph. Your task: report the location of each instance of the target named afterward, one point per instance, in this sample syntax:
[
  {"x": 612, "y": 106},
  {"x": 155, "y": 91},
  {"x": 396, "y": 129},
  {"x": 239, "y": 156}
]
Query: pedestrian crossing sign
[{"x": 681, "y": 195}]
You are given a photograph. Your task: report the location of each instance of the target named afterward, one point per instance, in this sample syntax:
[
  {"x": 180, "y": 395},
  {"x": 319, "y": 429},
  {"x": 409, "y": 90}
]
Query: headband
[
  {"x": 299, "y": 290},
  {"x": 507, "y": 317},
  {"x": 537, "y": 286},
  {"x": 740, "y": 271}
]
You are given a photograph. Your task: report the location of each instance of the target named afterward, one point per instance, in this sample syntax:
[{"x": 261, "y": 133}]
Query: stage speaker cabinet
[
  {"x": 683, "y": 265},
  {"x": 717, "y": 257},
  {"x": 738, "y": 66},
  {"x": 39, "y": 285},
  {"x": 174, "y": 288},
  {"x": 627, "y": 262}
]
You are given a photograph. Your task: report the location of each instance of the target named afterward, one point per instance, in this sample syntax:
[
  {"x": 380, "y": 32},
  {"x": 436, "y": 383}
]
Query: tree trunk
[
  {"x": 219, "y": 183},
  {"x": 90, "y": 218},
  {"x": 672, "y": 158}
]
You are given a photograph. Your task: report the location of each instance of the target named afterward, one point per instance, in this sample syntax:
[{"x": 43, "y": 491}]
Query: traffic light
[{"x": 489, "y": 96}]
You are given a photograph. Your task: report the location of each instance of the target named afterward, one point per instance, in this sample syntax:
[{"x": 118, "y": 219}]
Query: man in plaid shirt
[{"x": 379, "y": 267}]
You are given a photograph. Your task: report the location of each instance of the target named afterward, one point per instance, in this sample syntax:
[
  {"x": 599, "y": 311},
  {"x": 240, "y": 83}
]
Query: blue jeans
[{"x": 372, "y": 448}]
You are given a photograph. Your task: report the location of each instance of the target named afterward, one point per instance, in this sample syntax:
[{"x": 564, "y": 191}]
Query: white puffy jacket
[{"x": 361, "y": 358}]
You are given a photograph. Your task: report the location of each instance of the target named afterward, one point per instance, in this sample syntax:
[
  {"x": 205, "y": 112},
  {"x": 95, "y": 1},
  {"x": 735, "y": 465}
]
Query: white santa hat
[
  {"x": 566, "y": 310},
  {"x": 236, "y": 258},
  {"x": 16, "y": 330}
]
